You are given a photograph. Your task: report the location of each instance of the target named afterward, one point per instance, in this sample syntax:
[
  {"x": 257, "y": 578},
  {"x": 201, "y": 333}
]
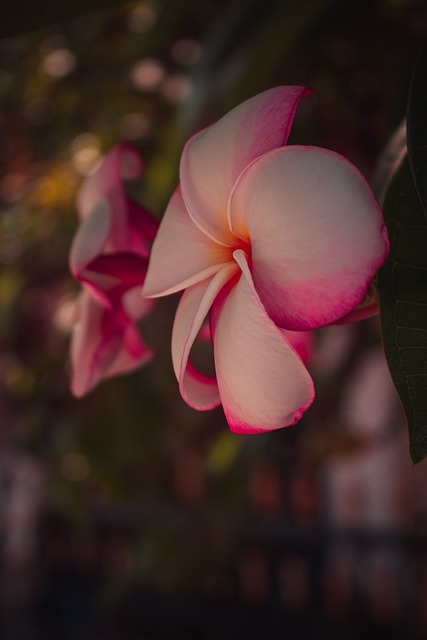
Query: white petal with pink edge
[
  {"x": 262, "y": 382},
  {"x": 316, "y": 231},
  {"x": 181, "y": 254},
  {"x": 198, "y": 390},
  {"x": 213, "y": 159}
]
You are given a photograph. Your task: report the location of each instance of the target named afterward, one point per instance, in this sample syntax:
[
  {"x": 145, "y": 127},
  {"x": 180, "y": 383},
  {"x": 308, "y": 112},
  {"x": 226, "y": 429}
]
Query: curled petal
[
  {"x": 181, "y": 255},
  {"x": 262, "y": 382},
  {"x": 317, "y": 234},
  {"x": 198, "y": 390},
  {"x": 213, "y": 159},
  {"x": 104, "y": 344}
]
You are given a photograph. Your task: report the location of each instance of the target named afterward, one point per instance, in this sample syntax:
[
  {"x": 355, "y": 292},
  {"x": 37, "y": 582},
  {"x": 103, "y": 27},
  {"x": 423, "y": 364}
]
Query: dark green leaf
[
  {"x": 389, "y": 160},
  {"x": 23, "y": 16},
  {"x": 417, "y": 126},
  {"x": 402, "y": 289}
]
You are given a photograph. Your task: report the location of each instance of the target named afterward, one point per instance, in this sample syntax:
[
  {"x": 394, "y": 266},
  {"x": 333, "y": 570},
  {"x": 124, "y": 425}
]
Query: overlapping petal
[
  {"x": 262, "y": 382},
  {"x": 182, "y": 254},
  {"x": 316, "y": 232},
  {"x": 366, "y": 309},
  {"x": 213, "y": 159},
  {"x": 106, "y": 183},
  {"x": 198, "y": 390},
  {"x": 106, "y": 273},
  {"x": 91, "y": 237},
  {"x": 115, "y": 230},
  {"x": 142, "y": 228},
  {"x": 301, "y": 342},
  {"x": 112, "y": 275},
  {"x": 104, "y": 343},
  {"x": 109, "y": 256}
]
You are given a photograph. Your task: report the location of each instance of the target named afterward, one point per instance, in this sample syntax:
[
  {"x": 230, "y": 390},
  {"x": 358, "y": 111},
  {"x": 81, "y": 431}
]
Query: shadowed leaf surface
[
  {"x": 402, "y": 287},
  {"x": 417, "y": 126}
]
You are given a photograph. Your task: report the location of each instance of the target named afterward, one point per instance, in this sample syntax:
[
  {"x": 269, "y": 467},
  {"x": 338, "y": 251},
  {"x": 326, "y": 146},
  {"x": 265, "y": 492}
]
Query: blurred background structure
[{"x": 126, "y": 515}]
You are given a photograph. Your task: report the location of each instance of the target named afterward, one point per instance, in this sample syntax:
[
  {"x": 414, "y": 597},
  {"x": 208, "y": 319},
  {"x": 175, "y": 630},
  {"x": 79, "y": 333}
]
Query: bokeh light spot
[
  {"x": 59, "y": 63},
  {"x": 147, "y": 74}
]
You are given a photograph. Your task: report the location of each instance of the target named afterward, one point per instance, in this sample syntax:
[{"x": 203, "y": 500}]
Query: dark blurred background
[{"x": 126, "y": 515}]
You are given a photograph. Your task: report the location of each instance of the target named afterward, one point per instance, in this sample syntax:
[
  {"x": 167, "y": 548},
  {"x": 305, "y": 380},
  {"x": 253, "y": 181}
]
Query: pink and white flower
[
  {"x": 273, "y": 240},
  {"x": 109, "y": 255}
]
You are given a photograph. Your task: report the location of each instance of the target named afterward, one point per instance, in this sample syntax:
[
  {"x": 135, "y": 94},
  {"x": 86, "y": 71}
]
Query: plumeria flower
[
  {"x": 109, "y": 255},
  {"x": 273, "y": 241}
]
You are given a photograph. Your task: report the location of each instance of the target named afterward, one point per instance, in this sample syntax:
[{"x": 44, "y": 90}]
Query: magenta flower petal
[
  {"x": 109, "y": 256},
  {"x": 112, "y": 223},
  {"x": 301, "y": 342},
  {"x": 199, "y": 391},
  {"x": 110, "y": 276},
  {"x": 104, "y": 344},
  {"x": 91, "y": 237},
  {"x": 262, "y": 382},
  {"x": 316, "y": 232},
  {"x": 106, "y": 183},
  {"x": 182, "y": 255},
  {"x": 213, "y": 159},
  {"x": 143, "y": 228},
  {"x": 366, "y": 309}
]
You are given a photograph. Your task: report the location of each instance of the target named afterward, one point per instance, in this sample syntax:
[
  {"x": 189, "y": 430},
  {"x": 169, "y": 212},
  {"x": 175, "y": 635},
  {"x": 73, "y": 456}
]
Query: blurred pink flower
[
  {"x": 109, "y": 255},
  {"x": 275, "y": 241}
]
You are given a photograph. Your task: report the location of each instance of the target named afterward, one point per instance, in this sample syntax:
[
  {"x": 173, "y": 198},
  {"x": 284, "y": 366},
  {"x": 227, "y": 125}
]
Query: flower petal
[
  {"x": 361, "y": 312},
  {"x": 91, "y": 237},
  {"x": 121, "y": 163},
  {"x": 135, "y": 305},
  {"x": 110, "y": 276},
  {"x": 213, "y": 159},
  {"x": 109, "y": 255},
  {"x": 181, "y": 255},
  {"x": 316, "y": 231},
  {"x": 366, "y": 309},
  {"x": 142, "y": 226},
  {"x": 103, "y": 344},
  {"x": 262, "y": 382},
  {"x": 301, "y": 342},
  {"x": 198, "y": 390}
]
